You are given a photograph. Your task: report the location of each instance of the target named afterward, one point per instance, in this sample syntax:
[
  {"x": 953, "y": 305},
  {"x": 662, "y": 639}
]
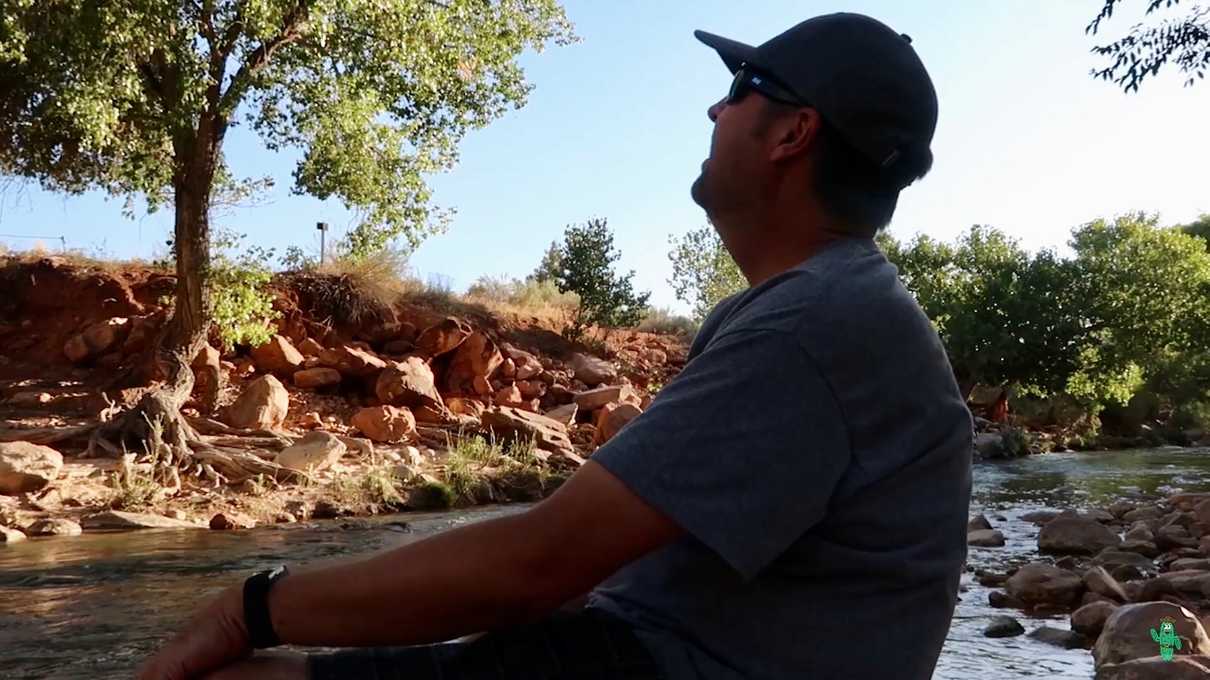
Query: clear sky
[{"x": 616, "y": 128}]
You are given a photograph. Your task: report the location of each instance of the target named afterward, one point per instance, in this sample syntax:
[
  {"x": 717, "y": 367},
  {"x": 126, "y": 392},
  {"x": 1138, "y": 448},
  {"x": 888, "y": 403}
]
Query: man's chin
[{"x": 698, "y": 190}]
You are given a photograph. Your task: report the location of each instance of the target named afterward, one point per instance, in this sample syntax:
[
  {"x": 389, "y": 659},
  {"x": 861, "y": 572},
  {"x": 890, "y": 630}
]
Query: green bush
[
  {"x": 662, "y": 320},
  {"x": 607, "y": 299}
]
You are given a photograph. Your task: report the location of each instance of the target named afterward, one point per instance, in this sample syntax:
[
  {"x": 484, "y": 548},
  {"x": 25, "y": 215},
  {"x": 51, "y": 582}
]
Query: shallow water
[{"x": 94, "y": 606}]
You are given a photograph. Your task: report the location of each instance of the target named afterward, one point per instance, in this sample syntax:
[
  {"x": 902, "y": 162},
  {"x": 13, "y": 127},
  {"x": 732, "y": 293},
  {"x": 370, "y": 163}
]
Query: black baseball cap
[{"x": 864, "y": 79}]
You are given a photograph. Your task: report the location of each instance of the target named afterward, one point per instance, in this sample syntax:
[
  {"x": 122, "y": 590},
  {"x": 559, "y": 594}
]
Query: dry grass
[
  {"x": 83, "y": 260},
  {"x": 520, "y": 299},
  {"x": 662, "y": 320}
]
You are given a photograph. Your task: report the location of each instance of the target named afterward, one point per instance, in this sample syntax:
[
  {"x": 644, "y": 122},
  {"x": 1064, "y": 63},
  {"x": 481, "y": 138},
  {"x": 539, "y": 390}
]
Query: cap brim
[{"x": 734, "y": 54}]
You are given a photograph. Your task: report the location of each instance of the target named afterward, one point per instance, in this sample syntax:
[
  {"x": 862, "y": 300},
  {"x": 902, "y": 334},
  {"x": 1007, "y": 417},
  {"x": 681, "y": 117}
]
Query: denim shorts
[{"x": 586, "y": 645}]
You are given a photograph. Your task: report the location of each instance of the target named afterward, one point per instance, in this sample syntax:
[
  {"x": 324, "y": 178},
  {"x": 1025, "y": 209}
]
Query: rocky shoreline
[{"x": 1118, "y": 572}]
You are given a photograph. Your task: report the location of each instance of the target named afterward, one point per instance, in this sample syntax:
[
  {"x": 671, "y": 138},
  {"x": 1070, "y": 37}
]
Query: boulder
[
  {"x": 399, "y": 347},
  {"x": 1190, "y": 563},
  {"x": 1090, "y": 619},
  {"x": 610, "y": 421},
  {"x": 592, "y": 370},
  {"x": 116, "y": 520},
  {"x": 1120, "y": 507},
  {"x": 315, "y": 451},
  {"x": 1172, "y": 536},
  {"x": 1110, "y": 558},
  {"x": 97, "y": 339},
  {"x": 481, "y": 386},
  {"x": 565, "y": 414},
  {"x": 1043, "y": 584},
  {"x": 465, "y": 407},
  {"x": 227, "y": 521},
  {"x": 1002, "y": 600},
  {"x": 26, "y": 467},
  {"x": 1156, "y": 668},
  {"x": 507, "y": 369},
  {"x": 385, "y": 423},
  {"x": 560, "y": 394},
  {"x": 1067, "y": 639},
  {"x": 1101, "y": 582},
  {"x": 277, "y": 356},
  {"x": 985, "y": 538},
  {"x": 1144, "y": 512},
  {"x": 358, "y": 446},
  {"x": 1075, "y": 535},
  {"x": 509, "y": 395},
  {"x": 531, "y": 389},
  {"x": 8, "y": 535},
  {"x": 990, "y": 446},
  {"x": 549, "y": 435},
  {"x": 442, "y": 337},
  {"x": 315, "y": 378},
  {"x": 263, "y": 405},
  {"x": 1127, "y": 632},
  {"x": 1039, "y": 517},
  {"x": 351, "y": 361},
  {"x": 477, "y": 356},
  {"x": 978, "y": 523},
  {"x": 408, "y": 383},
  {"x": 1144, "y": 548},
  {"x": 54, "y": 527},
  {"x": 207, "y": 376},
  {"x": 310, "y": 347},
  {"x": 1002, "y": 627},
  {"x": 1139, "y": 531},
  {"x": 594, "y": 399}
]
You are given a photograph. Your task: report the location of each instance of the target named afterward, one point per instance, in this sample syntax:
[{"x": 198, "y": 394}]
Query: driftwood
[
  {"x": 45, "y": 435},
  {"x": 211, "y": 426},
  {"x": 236, "y": 465}
]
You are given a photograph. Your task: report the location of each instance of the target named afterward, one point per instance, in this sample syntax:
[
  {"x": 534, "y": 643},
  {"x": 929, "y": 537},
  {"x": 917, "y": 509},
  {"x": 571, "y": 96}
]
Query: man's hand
[{"x": 214, "y": 637}]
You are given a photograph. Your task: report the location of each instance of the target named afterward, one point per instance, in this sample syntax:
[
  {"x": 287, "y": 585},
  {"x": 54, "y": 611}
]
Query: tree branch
[{"x": 292, "y": 29}]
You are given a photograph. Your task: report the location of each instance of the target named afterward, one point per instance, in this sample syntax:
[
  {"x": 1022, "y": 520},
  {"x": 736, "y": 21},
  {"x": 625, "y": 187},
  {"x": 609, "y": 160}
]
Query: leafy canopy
[
  {"x": 371, "y": 93},
  {"x": 703, "y": 272}
]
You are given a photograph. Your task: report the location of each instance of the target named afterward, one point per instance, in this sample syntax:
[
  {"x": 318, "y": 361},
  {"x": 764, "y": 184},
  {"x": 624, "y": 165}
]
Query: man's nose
[{"x": 715, "y": 109}]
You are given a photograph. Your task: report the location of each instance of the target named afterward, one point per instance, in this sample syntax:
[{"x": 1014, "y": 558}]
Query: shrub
[
  {"x": 586, "y": 269},
  {"x": 662, "y": 320}
]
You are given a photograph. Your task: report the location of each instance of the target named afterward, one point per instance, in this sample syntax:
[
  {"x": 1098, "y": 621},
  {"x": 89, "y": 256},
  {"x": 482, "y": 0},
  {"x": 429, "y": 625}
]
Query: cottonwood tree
[{"x": 137, "y": 97}]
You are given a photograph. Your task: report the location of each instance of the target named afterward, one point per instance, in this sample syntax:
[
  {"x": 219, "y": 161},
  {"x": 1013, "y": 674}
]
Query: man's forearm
[{"x": 463, "y": 581}]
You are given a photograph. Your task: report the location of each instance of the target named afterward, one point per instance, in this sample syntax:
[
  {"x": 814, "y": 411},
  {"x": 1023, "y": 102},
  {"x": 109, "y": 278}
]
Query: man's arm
[
  {"x": 462, "y": 581},
  {"x": 478, "y": 577}
]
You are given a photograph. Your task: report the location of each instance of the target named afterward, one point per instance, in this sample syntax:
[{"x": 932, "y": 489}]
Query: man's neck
[{"x": 764, "y": 250}]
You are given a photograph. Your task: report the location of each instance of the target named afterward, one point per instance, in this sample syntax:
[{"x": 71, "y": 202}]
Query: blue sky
[{"x": 616, "y": 128}]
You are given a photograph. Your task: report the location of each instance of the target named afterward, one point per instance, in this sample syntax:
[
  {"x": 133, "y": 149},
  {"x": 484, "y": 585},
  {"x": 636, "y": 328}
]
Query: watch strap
[{"x": 256, "y": 607}]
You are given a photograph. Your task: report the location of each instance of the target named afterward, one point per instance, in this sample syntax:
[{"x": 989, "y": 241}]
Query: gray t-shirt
[{"x": 817, "y": 453}]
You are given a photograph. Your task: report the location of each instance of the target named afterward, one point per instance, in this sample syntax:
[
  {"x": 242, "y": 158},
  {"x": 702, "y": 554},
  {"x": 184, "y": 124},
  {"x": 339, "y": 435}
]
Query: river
[{"x": 94, "y": 606}]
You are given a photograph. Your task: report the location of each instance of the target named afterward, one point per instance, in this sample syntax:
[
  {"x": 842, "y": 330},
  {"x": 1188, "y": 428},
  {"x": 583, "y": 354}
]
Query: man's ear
[{"x": 798, "y": 132}]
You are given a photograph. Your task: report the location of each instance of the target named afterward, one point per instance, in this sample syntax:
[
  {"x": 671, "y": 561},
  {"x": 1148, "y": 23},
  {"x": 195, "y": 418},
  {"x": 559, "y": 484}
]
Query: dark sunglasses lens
[{"x": 738, "y": 85}]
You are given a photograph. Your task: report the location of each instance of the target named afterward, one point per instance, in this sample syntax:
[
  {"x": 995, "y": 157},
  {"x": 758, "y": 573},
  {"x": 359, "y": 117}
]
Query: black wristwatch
[{"x": 256, "y": 607}]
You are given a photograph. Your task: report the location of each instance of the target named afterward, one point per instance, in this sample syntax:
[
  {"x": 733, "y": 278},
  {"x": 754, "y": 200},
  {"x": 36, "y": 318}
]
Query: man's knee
[{"x": 268, "y": 666}]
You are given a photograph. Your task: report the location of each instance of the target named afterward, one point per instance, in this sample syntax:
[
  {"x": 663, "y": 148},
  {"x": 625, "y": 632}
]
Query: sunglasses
[{"x": 748, "y": 79}]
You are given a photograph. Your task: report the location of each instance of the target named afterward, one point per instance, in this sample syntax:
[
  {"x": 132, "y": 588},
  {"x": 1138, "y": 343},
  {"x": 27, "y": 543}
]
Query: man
[{"x": 793, "y": 505}]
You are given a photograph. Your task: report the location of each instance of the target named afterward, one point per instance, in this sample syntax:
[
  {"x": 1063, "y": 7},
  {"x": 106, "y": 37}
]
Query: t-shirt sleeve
[{"x": 743, "y": 449}]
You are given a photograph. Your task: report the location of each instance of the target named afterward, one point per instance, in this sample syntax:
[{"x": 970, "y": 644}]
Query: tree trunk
[{"x": 155, "y": 426}]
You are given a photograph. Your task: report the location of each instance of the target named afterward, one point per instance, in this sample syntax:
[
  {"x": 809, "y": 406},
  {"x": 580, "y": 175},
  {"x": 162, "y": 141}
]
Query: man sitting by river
[{"x": 792, "y": 505}]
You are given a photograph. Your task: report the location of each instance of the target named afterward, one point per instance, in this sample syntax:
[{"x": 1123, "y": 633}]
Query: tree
[
  {"x": 703, "y": 272},
  {"x": 606, "y": 299},
  {"x": 1146, "y": 49},
  {"x": 548, "y": 268},
  {"x": 137, "y": 98},
  {"x": 1199, "y": 228},
  {"x": 1145, "y": 291}
]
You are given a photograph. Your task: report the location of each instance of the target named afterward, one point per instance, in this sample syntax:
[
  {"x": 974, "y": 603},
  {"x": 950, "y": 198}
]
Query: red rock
[
  {"x": 481, "y": 386},
  {"x": 444, "y": 336},
  {"x": 262, "y": 405},
  {"x": 385, "y": 423},
  {"x": 610, "y": 421},
  {"x": 408, "y": 383},
  {"x": 226, "y": 521},
  {"x": 531, "y": 389},
  {"x": 352, "y": 361},
  {"x": 508, "y": 395},
  {"x": 310, "y": 347},
  {"x": 314, "y": 378},
  {"x": 277, "y": 356},
  {"x": 476, "y": 357}
]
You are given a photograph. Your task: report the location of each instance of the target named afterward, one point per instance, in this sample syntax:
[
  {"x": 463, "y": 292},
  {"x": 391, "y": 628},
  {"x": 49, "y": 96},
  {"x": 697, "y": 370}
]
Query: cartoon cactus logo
[{"x": 1167, "y": 638}]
